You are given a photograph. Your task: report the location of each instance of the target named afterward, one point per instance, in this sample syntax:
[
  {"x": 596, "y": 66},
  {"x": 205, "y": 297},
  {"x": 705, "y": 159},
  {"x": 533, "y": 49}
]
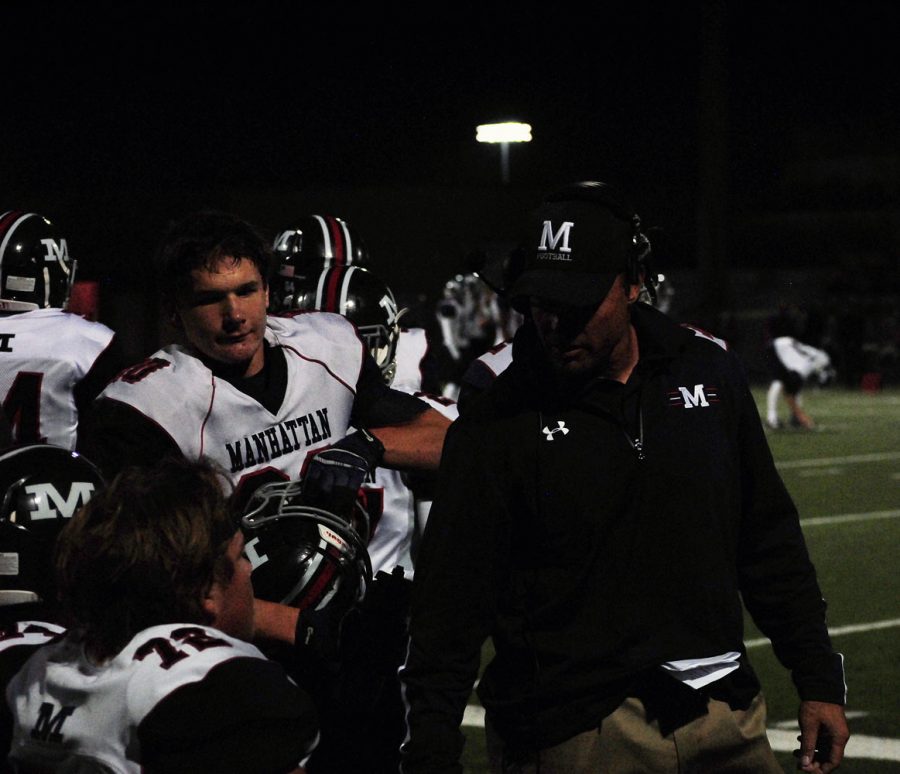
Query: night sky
[{"x": 116, "y": 120}]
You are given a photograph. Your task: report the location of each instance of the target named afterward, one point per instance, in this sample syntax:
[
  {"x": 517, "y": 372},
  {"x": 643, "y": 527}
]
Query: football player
[
  {"x": 260, "y": 395},
  {"x": 41, "y": 487},
  {"x": 52, "y": 363},
  {"x": 156, "y": 672},
  {"x": 364, "y": 299},
  {"x": 364, "y": 719},
  {"x": 267, "y": 398},
  {"x": 794, "y": 363}
]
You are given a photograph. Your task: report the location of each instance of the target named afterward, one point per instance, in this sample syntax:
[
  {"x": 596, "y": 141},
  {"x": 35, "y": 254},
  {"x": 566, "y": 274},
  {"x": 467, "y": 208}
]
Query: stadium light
[{"x": 503, "y": 134}]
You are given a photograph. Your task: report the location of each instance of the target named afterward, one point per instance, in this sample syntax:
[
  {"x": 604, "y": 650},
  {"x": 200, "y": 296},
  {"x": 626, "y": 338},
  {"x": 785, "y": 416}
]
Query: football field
[{"x": 845, "y": 479}]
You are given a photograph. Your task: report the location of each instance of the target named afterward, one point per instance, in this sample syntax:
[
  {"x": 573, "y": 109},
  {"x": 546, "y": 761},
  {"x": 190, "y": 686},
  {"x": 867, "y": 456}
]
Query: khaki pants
[{"x": 724, "y": 740}]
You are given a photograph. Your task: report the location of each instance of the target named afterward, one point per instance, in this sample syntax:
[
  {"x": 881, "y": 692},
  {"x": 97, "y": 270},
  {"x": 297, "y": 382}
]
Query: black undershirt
[
  {"x": 375, "y": 403},
  {"x": 267, "y": 387}
]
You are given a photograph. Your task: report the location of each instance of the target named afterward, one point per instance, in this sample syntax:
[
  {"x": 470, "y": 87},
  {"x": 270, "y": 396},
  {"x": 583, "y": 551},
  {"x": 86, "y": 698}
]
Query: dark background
[{"x": 761, "y": 138}]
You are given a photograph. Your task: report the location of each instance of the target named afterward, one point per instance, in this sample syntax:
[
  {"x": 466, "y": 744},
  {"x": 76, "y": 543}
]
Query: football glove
[
  {"x": 318, "y": 634},
  {"x": 335, "y": 474}
]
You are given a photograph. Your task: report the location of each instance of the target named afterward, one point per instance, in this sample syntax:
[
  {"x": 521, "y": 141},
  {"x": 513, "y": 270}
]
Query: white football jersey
[
  {"x": 43, "y": 355},
  {"x": 64, "y": 706},
  {"x": 28, "y": 633},
  {"x": 498, "y": 358},
  {"x": 412, "y": 347},
  {"x": 397, "y": 514},
  {"x": 207, "y": 416},
  {"x": 799, "y": 357}
]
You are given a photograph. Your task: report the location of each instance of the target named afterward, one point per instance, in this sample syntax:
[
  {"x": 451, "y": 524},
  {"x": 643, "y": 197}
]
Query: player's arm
[
  {"x": 415, "y": 444},
  {"x": 411, "y": 432},
  {"x": 398, "y": 430},
  {"x": 273, "y": 621}
]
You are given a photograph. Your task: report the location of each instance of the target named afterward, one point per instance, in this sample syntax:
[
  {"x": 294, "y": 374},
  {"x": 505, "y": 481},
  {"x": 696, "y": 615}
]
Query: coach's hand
[{"x": 823, "y": 736}]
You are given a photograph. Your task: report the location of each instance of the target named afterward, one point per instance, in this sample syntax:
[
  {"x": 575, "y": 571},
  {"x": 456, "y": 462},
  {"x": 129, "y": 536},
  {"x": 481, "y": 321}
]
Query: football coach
[{"x": 602, "y": 511}]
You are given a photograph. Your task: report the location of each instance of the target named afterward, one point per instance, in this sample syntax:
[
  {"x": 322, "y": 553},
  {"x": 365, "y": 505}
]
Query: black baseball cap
[{"x": 579, "y": 240}]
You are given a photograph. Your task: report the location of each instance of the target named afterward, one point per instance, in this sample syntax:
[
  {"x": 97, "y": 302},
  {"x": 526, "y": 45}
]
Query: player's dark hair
[
  {"x": 144, "y": 552},
  {"x": 201, "y": 240}
]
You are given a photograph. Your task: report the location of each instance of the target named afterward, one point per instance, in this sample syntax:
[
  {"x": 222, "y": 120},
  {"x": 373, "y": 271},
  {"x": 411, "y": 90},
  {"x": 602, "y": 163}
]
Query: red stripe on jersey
[
  {"x": 212, "y": 399},
  {"x": 337, "y": 240}
]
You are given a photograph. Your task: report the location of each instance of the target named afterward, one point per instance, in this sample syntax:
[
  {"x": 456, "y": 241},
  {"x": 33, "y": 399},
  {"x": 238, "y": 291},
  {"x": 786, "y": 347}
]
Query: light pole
[{"x": 504, "y": 134}]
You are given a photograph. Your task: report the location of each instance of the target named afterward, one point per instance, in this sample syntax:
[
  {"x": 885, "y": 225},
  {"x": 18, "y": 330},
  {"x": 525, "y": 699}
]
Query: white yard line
[
  {"x": 782, "y": 740},
  {"x": 837, "y": 631},
  {"x": 858, "y": 747},
  {"x": 818, "y": 462},
  {"x": 845, "y": 517},
  {"x": 791, "y": 725}
]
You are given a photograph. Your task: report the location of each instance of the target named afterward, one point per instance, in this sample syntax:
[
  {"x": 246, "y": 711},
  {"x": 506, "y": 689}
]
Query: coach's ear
[{"x": 634, "y": 289}]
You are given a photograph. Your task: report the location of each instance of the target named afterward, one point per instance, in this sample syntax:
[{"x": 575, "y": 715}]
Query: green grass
[{"x": 856, "y": 561}]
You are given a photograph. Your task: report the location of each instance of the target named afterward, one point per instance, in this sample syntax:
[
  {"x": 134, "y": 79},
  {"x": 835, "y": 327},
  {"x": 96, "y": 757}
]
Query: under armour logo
[{"x": 561, "y": 428}]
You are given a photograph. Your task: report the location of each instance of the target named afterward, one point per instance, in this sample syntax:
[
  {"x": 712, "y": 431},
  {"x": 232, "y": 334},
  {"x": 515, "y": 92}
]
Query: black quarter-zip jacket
[{"x": 597, "y": 535}]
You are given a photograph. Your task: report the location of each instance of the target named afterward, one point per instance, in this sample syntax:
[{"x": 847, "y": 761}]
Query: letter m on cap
[{"x": 550, "y": 240}]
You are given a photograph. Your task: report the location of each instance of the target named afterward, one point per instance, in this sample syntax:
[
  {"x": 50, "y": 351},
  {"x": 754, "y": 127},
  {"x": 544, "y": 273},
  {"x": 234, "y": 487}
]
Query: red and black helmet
[
  {"x": 36, "y": 271},
  {"x": 41, "y": 488},
  {"x": 302, "y": 555},
  {"x": 365, "y": 300},
  {"x": 315, "y": 242}
]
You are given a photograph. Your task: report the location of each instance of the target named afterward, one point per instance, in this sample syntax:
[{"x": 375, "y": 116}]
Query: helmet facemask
[{"x": 304, "y": 556}]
